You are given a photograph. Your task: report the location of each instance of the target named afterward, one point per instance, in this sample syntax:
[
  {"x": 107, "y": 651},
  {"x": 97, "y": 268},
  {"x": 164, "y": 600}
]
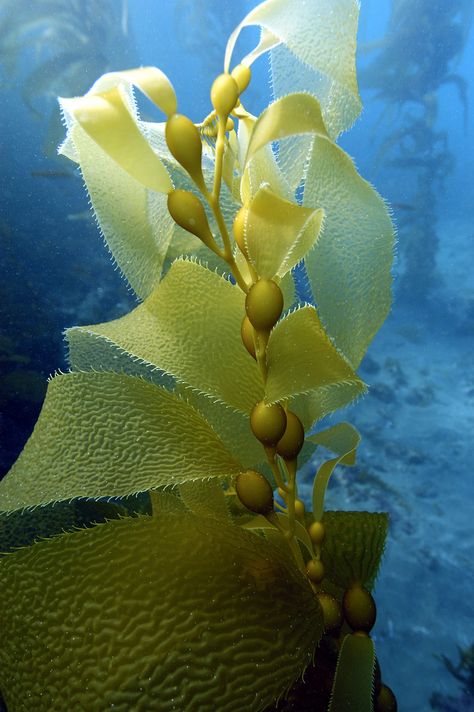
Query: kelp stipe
[{"x": 219, "y": 595}]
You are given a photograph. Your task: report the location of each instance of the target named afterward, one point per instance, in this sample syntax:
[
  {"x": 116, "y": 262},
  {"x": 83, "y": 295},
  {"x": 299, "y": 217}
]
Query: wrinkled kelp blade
[
  {"x": 353, "y": 683},
  {"x": 170, "y": 612},
  {"x": 108, "y": 122},
  {"x": 353, "y": 546},
  {"x": 189, "y": 328},
  {"x": 107, "y": 114},
  {"x": 89, "y": 351},
  {"x": 104, "y": 435},
  {"x": 349, "y": 267},
  {"x": 318, "y": 39},
  {"x": 233, "y": 427}
]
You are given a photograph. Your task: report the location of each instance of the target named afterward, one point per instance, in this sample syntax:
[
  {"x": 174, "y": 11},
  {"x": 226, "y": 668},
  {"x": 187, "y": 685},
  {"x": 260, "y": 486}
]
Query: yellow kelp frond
[
  {"x": 302, "y": 361},
  {"x": 107, "y": 115},
  {"x": 123, "y": 171},
  {"x": 189, "y": 328},
  {"x": 312, "y": 49},
  {"x": 292, "y": 122},
  {"x": 353, "y": 682},
  {"x": 349, "y": 268},
  {"x": 342, "y": 439},
  {"x": 231, "y": 426},
  {"x": 134, "y": 220},
  {"x": 292, "y": 115},
  {"x": 106, "y": 435},
  {"x": 194, "y": 613},
  {"x": 89, "y": 351},
  {"x": 278, "y": 233}
]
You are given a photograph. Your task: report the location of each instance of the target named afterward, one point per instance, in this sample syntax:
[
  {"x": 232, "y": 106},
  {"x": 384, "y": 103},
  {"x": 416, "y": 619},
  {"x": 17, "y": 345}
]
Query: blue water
[{"x": 417, "y": 422}]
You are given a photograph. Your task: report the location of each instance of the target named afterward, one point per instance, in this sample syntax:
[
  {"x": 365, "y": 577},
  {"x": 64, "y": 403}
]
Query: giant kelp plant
[{"x": 215, "y": 590}]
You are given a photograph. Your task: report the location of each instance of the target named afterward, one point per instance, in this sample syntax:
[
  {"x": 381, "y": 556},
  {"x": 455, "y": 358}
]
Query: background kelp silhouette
[
  {"x": 424, "y": 42},
  {"x": 206, "y": 592}
]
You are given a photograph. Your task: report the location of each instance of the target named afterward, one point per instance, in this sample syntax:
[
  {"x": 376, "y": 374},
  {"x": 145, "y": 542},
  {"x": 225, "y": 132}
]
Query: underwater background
[{"x": 415, "y": 142}]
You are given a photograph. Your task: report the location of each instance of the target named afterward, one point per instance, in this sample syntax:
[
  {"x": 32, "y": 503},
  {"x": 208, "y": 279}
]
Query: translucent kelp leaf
[
  {"x": 288, "y": 288},
  {"x": 353, "y": 683},
  {"x": 353, "y": 547},
  {"x": 318, "y": 38},
  {"x": 165, "y": 502},
  {"x": 263, "y": 168},
  {"x": 292, "y": 115},
  {"x": 343, "y": 439},
  {"x": 349, "y": 268},
  {"x": 275, "y": 535},
  {"x": 135, "y": 221},
  {"x": 232, "y": 426},
  {"x": 88, "y": 351},
  {"x": 189, "y": 328},
  {"x": 110, "y": 435},
  {"x": 105, "y": 115},
  {"x": 279, "y": 233},
  {"x": 301, "y": 359},
  {"x": 206, "y": 499},
  {"x": 194, "y": 613}
]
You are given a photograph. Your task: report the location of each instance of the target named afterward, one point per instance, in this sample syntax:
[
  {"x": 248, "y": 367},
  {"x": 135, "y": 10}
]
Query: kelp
[
  {"x": 417, "y": 57},
  {"x": 203, "y": 400}
]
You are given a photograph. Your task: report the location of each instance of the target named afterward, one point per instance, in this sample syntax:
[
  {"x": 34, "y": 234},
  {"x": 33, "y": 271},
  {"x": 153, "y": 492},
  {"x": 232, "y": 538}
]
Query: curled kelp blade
[
  {"x": 303, "y": 364},
  {"x": 316, "y": 39},
  {"x": 343, "y": 439},
  {"x": 262, "y": 169},
  {"x": 293, "y": 115},
  {"x": 111, "y": 435},
  {"x": 195, "y": 614},
  {"x": 278, "y": 232},
  {"x": 353, "y": 683},
  {"x": 349, "y": 268},
  {"x": 107, "y": 116},
  {"x": 134, "y": 220},
  {"x": 173, "y": 330},
  {"x": 291, "y": 122},
  {"x": 124, "y": 174}
]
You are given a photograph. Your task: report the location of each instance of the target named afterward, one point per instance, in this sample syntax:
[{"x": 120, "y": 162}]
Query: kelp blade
[
  {"x": 110, "y": 435},
  {"x": 352, "y": 689},
  {"x": 163, "y": 613}
]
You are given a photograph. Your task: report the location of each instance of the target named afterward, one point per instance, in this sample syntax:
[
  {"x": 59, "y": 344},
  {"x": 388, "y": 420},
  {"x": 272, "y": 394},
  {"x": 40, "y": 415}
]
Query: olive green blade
[
  {"x": 153, "y": 613},
  {"x": 353, "y": 683}
]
